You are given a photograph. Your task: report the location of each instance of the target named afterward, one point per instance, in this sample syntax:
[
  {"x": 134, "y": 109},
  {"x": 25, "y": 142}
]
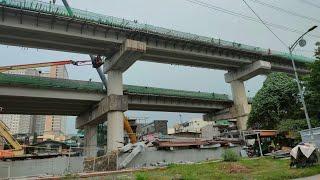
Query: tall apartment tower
[
  {"x": 15, "y": 122},
  {"x": 55, "y": 125},
  {"x": 52, "y": 126}
]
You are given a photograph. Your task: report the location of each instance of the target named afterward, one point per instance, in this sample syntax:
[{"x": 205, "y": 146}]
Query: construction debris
[{"x": 194, "y": 143}]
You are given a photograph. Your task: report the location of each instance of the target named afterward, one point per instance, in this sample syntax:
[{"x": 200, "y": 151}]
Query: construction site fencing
[
  {"x": 58, "y": 10},
  {"x": 108, "y": 162},
  {"x": 41, "y": 167},
  {"x": 66, "y": 163}
]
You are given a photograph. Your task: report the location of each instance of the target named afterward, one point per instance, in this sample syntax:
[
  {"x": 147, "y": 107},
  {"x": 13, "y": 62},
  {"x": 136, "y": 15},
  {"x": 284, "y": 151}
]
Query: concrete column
[
  {"x": 115, "y": 118},
  {"x": 90, "y": 140},
  {"x": 240, "y": 103}
]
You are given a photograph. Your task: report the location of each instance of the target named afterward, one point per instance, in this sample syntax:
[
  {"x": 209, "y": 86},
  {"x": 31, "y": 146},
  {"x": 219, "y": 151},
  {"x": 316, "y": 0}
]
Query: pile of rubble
[{"x": 201, "y": 143}]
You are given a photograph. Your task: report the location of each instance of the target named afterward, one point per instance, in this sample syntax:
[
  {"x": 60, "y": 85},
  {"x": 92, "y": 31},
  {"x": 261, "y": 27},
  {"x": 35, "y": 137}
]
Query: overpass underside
[
  {"x": 46, "y": 96},
  {"x": 123, "y": 43}
]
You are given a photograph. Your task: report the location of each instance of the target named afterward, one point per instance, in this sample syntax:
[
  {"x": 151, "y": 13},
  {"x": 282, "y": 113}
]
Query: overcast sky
[{"x": 188, "y": 17}]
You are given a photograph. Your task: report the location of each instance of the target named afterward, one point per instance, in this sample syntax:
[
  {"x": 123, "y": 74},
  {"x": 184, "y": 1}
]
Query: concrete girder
[
  {"x": 129, "y": 52},
  {"x": 248, "y": 71},
  {"x": 45, "y": 101},
  {"x": 100, "y": 111},
  {"x": 26, "y": 28}
]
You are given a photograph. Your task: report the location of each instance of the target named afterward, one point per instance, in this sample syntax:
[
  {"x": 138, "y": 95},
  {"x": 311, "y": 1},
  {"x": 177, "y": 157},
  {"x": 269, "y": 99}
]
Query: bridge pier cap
[
  {"x": 129, "y": 52},
  {"x": 249, "y": 71},
  {"x": 236, "y": 80}
]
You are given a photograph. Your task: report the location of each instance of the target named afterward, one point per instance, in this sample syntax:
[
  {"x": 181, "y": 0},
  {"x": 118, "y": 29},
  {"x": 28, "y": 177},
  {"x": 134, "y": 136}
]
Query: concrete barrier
[{"x": 50, "y": 166}]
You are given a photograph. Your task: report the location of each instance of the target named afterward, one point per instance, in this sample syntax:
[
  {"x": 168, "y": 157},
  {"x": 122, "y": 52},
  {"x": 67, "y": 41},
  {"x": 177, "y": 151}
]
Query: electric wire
[
  {"x": 285, "y": 11},
  {"x": 266, "y": 24},
  {"x": 246, "y": 17},
  {"x": 310, "y": 3}
]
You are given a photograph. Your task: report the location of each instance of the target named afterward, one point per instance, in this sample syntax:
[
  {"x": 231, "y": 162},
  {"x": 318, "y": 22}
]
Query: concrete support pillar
[
  {"x": 240, "y": 103},
  {"x": 115, "y": 118},
  {"x": 90, "y": 140}
]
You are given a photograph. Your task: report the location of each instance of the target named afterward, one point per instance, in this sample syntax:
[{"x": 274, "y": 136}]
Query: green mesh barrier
[
  {"x": 89, "y": 86},
  {"x": 44, "y": 7},
  {"x": 175, "y": 93}
]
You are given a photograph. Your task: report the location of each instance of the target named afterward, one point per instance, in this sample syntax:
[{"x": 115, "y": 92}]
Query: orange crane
[{"x": 45, "y": 64}]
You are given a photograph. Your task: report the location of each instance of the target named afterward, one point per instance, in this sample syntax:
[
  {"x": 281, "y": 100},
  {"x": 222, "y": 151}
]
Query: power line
[
  {"x": 265, "y": 24},
  {"x": 310, "y": 3},
  {"x": 305, "y": 50},
  {"x": 286, "y": 11},
  {"x": 246, "y": 17}
]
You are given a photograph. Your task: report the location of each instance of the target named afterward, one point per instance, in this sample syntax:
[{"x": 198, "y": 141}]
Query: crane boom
[
  {"x": 37, "y": 65},
  {"x": 17, "y": 148}
]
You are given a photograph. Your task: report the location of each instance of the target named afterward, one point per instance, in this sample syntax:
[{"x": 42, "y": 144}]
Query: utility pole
[{"x": 302, "y": 43}]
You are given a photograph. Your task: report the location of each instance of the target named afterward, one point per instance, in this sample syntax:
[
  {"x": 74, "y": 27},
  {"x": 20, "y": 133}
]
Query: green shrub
[
  {"x": 141, "y": 176},
  {"x": 230, "y": 156}
]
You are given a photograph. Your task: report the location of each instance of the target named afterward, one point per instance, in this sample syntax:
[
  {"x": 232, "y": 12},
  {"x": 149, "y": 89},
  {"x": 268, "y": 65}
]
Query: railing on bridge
[{"x": 44, "y": 7}]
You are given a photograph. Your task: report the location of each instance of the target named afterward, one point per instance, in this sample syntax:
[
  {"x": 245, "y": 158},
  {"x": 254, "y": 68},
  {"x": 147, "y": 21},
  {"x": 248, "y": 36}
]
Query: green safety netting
[
  {"x": 175, "y": 93},
  {"x": 89, "y": 86},
  {"x": 44, "y": 7}
]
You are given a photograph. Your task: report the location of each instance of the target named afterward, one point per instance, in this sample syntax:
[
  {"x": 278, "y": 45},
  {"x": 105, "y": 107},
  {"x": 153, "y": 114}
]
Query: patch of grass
[
  {"x": 262, "y": 168},
  {"x": 141, "y": 176},
  {"x": 230, "y": 156}
]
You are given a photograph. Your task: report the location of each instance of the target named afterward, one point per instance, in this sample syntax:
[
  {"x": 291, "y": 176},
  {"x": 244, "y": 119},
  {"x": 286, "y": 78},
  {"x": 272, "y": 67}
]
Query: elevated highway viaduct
[
  {"x": 49, "y": 96},
  {"x": 41, "y": 25}
]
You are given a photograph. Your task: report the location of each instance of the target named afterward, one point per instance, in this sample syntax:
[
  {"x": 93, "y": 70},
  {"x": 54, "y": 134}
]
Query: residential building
[
  {"x": 49, "y": 126},
  {"x": 157, "y": 126},
  {"x": 55, "y": 125},
  {"x": 18, "y": 123},
  {"x": 194, "y": 125},
  {"x": 15, "y": 122}
]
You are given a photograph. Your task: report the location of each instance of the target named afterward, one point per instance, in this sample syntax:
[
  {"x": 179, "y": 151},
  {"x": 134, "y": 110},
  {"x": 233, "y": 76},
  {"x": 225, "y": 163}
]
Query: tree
[
  {"x": 275, "y": 101},
  {"x": 312, "y": 83}
]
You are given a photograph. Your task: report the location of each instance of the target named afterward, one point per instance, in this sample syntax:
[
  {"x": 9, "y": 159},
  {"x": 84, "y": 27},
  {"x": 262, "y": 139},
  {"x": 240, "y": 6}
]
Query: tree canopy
[
  {"x": 276, "y": 104},
  {"x": 312, "y": 82},
  {"x": 277, "y": 99}
]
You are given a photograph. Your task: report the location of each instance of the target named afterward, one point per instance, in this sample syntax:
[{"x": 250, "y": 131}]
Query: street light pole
[{"x": 291, "y": 49}]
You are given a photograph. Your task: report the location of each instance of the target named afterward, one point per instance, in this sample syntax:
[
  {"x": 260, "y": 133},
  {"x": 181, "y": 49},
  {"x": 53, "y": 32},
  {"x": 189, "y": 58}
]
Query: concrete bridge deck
[
  {"x": 40, "y": 95},
  {"x": 37, "y": 24}
]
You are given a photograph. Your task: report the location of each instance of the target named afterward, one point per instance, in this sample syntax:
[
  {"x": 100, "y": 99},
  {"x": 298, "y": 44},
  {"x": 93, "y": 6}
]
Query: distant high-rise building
[
  {"x": 56, "y": 125},
  {"x": 20, "y": 123},
  {"x": 40, "y": 124}
]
